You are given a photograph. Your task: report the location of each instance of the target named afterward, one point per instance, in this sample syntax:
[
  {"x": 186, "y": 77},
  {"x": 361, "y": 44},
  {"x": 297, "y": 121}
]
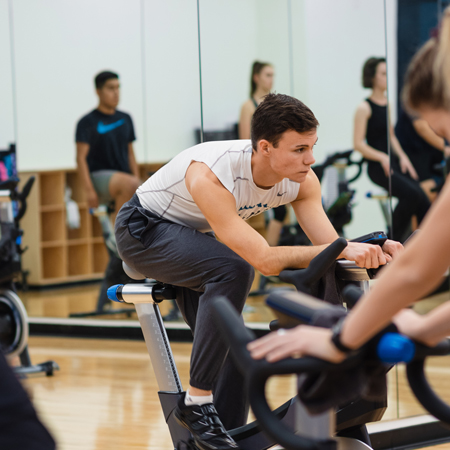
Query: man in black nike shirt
[{"x": 105, "y": 155}]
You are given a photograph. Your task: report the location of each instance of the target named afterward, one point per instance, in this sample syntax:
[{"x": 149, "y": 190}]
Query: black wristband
[{"x": 336, "y": 337}]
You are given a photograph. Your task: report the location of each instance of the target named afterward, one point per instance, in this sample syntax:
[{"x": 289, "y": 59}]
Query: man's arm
[
  {"x": 132, "y": 161},
  {"x": 83, "y": 170},
  {"x": 219, "y": 208}
]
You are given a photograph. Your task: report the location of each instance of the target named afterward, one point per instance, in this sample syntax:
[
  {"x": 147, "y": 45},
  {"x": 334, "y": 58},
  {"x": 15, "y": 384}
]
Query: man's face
[
  {"x": 293, "y": 157},
  {"x": 109, "y": 94}
]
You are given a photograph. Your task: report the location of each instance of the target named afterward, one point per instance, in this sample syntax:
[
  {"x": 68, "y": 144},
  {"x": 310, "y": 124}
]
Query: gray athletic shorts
[{"x": 100, "y": 179}]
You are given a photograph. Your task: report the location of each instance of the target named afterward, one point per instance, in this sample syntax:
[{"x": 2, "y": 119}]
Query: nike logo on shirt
[
  {"x": 280, "y": 195},
  {"x": 102, "y": 128}
]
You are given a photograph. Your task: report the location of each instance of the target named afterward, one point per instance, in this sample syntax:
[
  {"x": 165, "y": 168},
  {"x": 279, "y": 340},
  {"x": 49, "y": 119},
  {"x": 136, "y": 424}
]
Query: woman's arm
[
  {"x": 362, "y": 116},
  {"x": 405, "y": 163},
  {"x": 413, "y": 274},
  {"x": 426, "y": 132}
]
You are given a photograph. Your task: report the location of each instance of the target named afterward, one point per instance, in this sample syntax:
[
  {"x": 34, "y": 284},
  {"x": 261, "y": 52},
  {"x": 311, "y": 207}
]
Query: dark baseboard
[{"x": 113, "y": 329}]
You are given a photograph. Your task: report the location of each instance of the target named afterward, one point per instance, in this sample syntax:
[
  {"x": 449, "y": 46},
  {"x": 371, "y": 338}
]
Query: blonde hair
[{"x": 427, "y": 80}]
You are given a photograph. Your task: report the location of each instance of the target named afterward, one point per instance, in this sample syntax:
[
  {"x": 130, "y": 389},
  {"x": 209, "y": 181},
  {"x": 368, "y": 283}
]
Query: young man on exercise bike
[{"x": 166, "y": 231}]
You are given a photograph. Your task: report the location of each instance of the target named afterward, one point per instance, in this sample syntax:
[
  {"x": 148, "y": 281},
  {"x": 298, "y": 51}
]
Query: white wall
[
  {"x": 235, "y": 33},
  {"x": 229, "y": 46},
  {"x": 6, "y": 98},
  {"x": 171, "y": 77},
  {"x": 60, "y": 46}
]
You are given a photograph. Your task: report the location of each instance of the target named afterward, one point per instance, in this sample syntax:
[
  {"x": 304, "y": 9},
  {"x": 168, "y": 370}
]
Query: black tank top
[
  {"x": 377, "y": 129},
  {"x": 255, "y": 102}
]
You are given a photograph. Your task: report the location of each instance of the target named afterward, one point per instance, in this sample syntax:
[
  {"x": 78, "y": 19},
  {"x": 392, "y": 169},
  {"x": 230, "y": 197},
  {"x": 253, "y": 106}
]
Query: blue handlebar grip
[
  {"x": 112, "y": 293},
  {"x": 394, "y": 348}
]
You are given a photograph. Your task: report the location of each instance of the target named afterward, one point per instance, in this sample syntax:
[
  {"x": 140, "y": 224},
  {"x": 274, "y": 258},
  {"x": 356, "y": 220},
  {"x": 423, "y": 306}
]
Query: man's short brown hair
[{"x": 279, "y": 113}]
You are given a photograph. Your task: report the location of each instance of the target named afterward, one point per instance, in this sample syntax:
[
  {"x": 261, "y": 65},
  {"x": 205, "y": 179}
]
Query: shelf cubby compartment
[
  {"x": 100, "y": 257},
  {"x": 78, "y": 259},
  {"x": 84, "y": 231},
  {"x": 96, "y": 227},
  {"x": 51, "y": 188},
  {"x": 54, "y": 262},
  {"x": 73, "y": 180},
  {"x": 53, "y": 227}
]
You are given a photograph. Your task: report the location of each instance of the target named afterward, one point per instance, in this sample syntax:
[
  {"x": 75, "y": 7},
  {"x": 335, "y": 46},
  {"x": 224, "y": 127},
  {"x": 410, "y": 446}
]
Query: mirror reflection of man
[{"x": 105, "y": 156}]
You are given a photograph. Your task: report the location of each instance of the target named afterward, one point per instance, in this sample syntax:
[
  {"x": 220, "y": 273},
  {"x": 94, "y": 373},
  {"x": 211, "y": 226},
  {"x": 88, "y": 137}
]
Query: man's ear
[{"x": 264, "y": 147}]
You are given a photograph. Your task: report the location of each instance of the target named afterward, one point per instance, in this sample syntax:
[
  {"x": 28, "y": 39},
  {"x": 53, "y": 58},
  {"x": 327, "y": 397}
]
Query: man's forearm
[
  {"x": 132, "y": 162},
  {"x": 83, "y": 170},
  {"x": 277, "y": 259}
]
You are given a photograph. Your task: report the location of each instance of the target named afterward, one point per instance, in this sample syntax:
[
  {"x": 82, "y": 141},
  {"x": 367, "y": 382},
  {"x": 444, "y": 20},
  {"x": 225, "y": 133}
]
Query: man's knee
[
  {"x": 123, "y": 183},
  {"x": 243, "y": 272}
]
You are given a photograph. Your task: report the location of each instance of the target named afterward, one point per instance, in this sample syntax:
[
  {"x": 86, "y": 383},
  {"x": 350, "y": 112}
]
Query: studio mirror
[
  {"x": 58, "y": 49},
  {"x": 417, "y": 21}
]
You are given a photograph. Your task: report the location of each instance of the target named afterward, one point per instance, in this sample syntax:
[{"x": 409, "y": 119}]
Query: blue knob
[
  {"x": 394, "y": 348},
  {"x": 112, "y": 292}
]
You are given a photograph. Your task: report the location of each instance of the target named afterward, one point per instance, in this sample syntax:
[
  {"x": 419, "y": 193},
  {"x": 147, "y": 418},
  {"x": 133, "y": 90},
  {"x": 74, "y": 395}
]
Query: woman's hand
[
  {"x": 407, "y": 167},
  {"x": 409, "y": 323},
  {"x": 295, "y": 343},
  {"x": 385, "y": 163}
]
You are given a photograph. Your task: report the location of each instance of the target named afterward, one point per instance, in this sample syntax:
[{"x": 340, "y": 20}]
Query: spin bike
[
  {"x": 13, "y": 315},
  {"x": 316, "y": 432},
  {"x": 350, "y": 420}
]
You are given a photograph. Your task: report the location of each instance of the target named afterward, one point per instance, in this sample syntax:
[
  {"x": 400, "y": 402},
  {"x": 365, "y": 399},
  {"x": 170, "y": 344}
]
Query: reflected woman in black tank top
[{"x": 371, "y": 132}]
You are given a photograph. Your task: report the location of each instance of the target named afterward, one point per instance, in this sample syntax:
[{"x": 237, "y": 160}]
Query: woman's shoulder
[
  {"x": 248, "y": 106},
  {"x": 364, "y": 108}
]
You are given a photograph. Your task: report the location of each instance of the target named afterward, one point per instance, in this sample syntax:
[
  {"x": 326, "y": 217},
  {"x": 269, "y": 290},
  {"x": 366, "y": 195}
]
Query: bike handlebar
[
  {"x": 391, "y": 348},
  {"x": 303, "y": 279},
  {"x": 258, "y": 372}
]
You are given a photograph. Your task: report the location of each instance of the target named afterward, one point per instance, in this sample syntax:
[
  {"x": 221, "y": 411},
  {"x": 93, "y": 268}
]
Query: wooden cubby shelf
[{"x": 56, "y": 253}]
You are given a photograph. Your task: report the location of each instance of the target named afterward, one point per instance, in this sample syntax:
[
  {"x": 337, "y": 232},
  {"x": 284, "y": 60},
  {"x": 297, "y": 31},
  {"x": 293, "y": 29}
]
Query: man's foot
[{"x": 204, "y": 424}]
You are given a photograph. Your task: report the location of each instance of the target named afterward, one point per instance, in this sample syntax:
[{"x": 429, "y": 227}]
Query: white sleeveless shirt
[{"x": 166, "y": 195}]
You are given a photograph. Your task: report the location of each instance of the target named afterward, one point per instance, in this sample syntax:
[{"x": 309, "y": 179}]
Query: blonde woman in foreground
[{"x": 420, "y": 267}]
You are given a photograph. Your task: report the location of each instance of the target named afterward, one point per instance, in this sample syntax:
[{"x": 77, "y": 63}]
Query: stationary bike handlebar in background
[{"x": 13, "y": 316}]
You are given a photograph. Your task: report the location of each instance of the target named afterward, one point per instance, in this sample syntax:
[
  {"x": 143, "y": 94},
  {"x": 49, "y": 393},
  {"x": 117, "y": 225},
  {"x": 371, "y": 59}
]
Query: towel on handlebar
[
  {"x": 322, "y": 391},
  {"x": 327, "y": 288}
]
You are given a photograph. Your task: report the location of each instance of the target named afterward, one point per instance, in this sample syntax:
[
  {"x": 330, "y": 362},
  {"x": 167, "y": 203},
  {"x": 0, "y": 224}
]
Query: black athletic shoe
[{"x": 205, "y": 426}]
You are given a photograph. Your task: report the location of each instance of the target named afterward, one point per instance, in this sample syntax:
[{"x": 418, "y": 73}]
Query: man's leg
[
  {"x": 122, "y": 187},
  {"x": 187, "y": 258}
]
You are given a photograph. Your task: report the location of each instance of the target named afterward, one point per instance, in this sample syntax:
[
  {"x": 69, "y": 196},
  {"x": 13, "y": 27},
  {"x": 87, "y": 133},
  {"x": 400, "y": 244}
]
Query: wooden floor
[{"x": 105, "y": 395}]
